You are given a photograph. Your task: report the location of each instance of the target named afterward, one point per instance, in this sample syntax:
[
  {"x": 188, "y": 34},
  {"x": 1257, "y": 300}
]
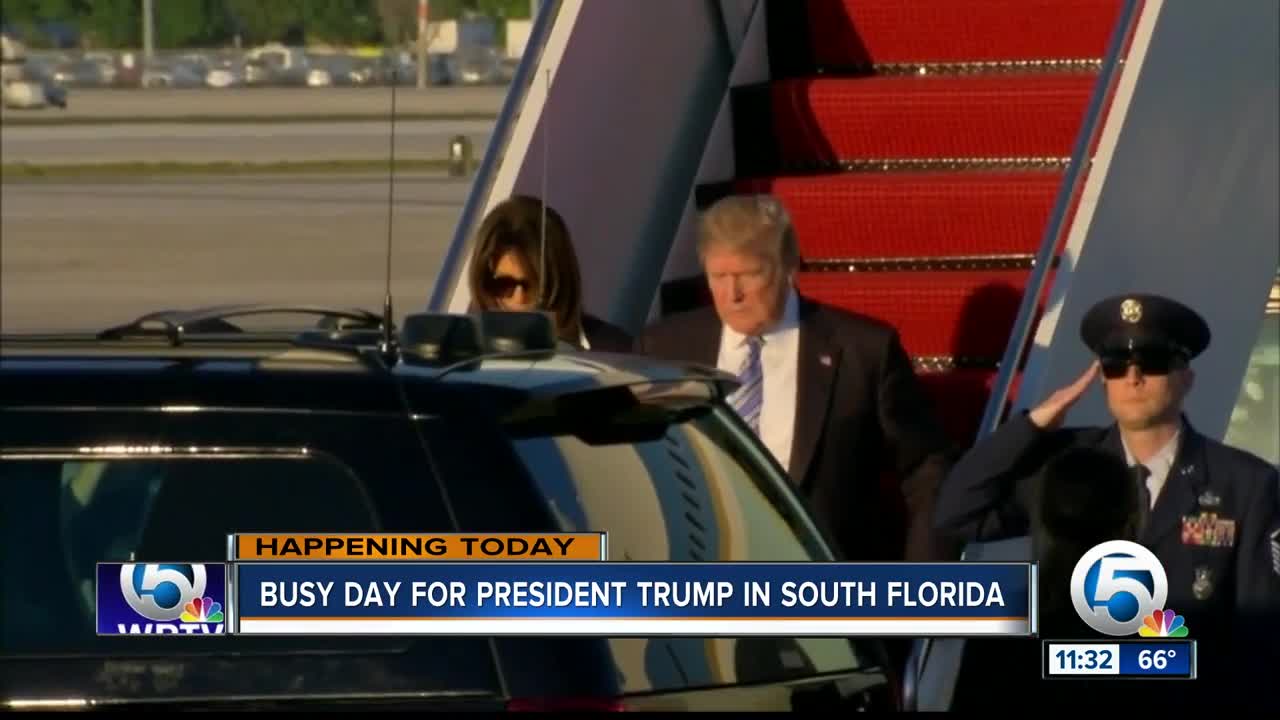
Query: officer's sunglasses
[{"x": 1149, "y": 361}]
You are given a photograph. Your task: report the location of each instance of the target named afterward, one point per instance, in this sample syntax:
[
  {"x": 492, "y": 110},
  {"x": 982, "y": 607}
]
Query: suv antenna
[
  {"x": 387, "y": 346},
  {"x": 546, "y": 154}
]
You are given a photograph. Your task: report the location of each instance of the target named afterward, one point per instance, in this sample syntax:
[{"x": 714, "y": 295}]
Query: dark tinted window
[
  {"x": 697, "y": 490},
  {"x": 700, "y": 492},
  {"x": 82, "y": 487},
  {"x": 62, "y": 516}
]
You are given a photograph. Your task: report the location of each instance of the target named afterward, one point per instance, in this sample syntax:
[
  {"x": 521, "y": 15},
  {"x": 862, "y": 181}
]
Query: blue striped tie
[{"x": 748, "y": 399}]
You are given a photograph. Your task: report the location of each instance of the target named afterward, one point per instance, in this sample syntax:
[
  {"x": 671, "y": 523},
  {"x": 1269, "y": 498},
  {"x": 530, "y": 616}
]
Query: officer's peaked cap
[{"x": 1142, "y": 321}]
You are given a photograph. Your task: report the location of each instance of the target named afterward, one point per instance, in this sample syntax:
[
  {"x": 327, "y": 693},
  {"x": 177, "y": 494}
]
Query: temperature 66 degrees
[
  {"x": 1158, "y": 659},
  {"x": 1155, "y": 659}
]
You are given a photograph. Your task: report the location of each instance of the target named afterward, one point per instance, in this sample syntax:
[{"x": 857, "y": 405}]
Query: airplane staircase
[
  {"x": 923, "y": 151},
  {"x": 932, "y": 157}
]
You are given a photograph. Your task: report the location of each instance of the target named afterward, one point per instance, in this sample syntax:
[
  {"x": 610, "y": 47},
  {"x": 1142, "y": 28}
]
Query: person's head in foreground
[{"x": 1083, "y": 496}]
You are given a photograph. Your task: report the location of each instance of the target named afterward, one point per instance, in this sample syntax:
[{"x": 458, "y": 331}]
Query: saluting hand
[{"x": 1050, "y": 413}]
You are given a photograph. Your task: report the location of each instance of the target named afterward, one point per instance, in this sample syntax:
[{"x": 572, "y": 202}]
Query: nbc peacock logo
[
  {"x": 1163, "y": 623},
  {"x": 204, "y": 610}
]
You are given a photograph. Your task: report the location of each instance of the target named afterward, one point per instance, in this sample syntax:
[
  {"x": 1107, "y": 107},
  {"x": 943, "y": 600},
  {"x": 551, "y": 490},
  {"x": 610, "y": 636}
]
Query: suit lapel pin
[
  {"x": 1187, "y": 470},
  {"x": 825, "y": 360},
  {"x": 1203, "y": 586},
  {"x": 1209, "y": 498}
]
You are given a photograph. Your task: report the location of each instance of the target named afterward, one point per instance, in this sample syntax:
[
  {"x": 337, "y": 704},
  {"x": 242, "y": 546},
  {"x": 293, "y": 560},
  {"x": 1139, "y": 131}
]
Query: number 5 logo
[
  {"x": 159, "y": 592},
  {"x": 1092, "y": 596}
]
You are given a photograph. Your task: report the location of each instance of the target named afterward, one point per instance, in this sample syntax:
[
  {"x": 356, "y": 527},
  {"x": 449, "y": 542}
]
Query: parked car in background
[
  {"x": 81, "y": 72},
  {"x": 25, "y": 85},
  {"x": 172, "y": 73},
  {"x": 478, "y": 65},
  {"x": 225, "y": 73},
  {"x": 345, "y": 69}
]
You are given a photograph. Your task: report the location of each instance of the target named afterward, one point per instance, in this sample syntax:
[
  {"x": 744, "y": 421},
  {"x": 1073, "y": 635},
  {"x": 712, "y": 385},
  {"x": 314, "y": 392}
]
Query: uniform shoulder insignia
[{"x": 1275, "y": 552}]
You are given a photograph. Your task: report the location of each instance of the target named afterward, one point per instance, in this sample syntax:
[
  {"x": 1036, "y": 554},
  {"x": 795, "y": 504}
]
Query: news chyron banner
[{"x": 555, "y": 584}]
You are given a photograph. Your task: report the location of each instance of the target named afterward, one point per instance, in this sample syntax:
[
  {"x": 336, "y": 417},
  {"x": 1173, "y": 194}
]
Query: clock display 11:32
[{"x": 1084, "y": 659}]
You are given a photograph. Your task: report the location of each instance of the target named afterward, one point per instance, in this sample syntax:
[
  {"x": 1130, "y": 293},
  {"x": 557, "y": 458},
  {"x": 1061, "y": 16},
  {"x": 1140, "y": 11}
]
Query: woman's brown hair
[{"x": 515, "y": 225}]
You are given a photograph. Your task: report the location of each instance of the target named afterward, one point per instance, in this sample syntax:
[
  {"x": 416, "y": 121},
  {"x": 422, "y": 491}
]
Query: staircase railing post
[
  {"x": 1016, "y": 348},
  {"x": 1077, "y": 170}
]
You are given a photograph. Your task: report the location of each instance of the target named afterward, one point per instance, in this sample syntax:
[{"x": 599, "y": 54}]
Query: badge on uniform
[
  {"x": 1208, "y": 530},
  {"x": 1203, "y": 585},
  {"x": 1209, "y": 498}
]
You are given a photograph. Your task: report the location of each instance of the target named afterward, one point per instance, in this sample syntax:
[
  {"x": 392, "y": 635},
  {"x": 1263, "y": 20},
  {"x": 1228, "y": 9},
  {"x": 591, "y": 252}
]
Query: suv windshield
[
  {"x": 698, "y": 490},
  {"x": 700, "y": 493}
]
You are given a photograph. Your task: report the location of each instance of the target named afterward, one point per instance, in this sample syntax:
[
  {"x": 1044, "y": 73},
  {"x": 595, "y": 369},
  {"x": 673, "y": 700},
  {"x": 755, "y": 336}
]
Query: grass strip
[
  {"x": 11, "y": 119},
  {"x": 25, "y": 171}
]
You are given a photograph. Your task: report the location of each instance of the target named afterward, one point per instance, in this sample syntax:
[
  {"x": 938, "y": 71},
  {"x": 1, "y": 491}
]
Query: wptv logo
[
  {"x": 161, "y": 599},
  {"x": 1119, "y": 588}
]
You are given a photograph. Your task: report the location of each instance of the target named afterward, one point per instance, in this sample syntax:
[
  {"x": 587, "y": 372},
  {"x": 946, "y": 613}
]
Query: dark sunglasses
[
  {"x": 504, "y": 286},
  {"x": 1148, "y": 361}
]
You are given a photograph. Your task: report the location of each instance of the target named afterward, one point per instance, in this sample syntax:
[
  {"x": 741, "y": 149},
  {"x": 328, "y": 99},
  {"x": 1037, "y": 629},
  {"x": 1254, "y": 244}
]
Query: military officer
[{"x": 1209, "y": 512}]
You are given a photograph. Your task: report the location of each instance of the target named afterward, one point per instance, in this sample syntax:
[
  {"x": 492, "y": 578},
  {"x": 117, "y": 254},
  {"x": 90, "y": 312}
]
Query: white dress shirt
[
  {"x": 1159, "y": 464},
  {"x": 779, "y": 361}
]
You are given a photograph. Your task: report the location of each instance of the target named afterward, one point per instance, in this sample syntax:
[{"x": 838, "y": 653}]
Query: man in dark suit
[
  {"x": 832, "y": 394},
  {"x": 1210, "y": 513}
]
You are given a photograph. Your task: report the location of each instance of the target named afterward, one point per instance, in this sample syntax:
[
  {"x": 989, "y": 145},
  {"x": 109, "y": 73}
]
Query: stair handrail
[
  {"x": 449, "y": 275},
  {"x": 1094, "y": 121},
  {"x": 1015, "y": 351}
]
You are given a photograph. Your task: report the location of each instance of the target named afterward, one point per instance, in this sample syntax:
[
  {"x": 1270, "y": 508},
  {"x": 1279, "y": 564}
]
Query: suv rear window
[
  {"x": 700, "y": 490},
  {"x": 63, "y": 515},
  {"x": 114, "y": 485}
]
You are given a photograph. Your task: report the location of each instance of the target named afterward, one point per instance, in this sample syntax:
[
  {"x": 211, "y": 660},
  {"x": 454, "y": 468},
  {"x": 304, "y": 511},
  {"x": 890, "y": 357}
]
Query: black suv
[{"x": 154, "y": 440}]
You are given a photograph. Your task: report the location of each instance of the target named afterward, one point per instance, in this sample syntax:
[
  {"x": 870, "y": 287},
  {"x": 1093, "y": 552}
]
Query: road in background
[
  {"x": 98, "y": 103},
  {"x": 235, "y": 142},
  {"x": 94, "y": 254}
]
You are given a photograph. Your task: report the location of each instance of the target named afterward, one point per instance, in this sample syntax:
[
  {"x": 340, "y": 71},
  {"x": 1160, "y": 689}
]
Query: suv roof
[{"x": 499, "y": 351}]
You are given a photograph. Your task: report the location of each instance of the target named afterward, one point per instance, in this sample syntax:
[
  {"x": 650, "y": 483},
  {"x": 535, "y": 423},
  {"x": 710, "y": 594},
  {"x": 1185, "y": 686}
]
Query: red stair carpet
[{"x": 920, "y": 147}]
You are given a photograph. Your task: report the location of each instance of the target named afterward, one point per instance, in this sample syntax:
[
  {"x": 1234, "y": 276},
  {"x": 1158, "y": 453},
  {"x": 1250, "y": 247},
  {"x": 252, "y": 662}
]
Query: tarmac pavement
[{"x": 84, "y": 256}]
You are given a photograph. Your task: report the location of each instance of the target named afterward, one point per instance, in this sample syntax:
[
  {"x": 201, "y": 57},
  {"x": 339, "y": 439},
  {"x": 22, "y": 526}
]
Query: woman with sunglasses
[{"x": 505, "y": 273}]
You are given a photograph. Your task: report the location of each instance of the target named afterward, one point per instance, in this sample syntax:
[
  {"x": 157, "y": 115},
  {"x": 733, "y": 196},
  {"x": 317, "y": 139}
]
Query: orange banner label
[{"x": 415, "y": 547}]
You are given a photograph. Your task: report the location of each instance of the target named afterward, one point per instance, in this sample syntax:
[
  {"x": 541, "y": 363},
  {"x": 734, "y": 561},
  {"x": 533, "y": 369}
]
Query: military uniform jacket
[{"x": 1215, "y": 527}]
